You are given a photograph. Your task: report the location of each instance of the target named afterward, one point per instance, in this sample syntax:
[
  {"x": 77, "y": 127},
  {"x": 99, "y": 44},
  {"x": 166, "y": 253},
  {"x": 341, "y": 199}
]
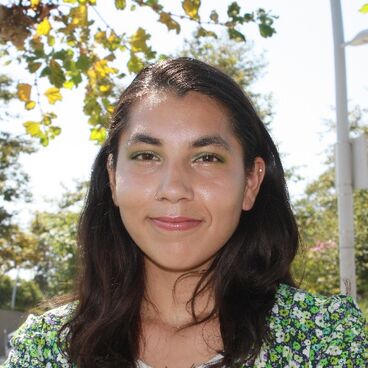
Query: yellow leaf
[
  {"x": 135, "y": 64},
  {"x": 53, "y": 94},
  {"x": 364, "y": 9},
  {"x": 24, "y": 91},
  {"x": 191, "y": 8},
  {"x": 98, "y": 134},
  {"x": 43, "y": 28},
  {"x": 35, "y": 3},
  {"x": 30, "y": 105},
  {"x": 79, "y": 16},
  {"x": 33, "y": 128},
  {"x": 120, "y": 4},
  {"x": 100, "y": 36},
  {"x": 102, "y": 69},
  {"x": 105, "y": 88},
  {"x": 68, "y": 84},
  {"x": 138, "y": 40},
  {"x": 169, "y": 22}
]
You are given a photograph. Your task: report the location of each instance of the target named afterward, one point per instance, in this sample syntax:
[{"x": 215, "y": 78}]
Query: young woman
[{"x": 186, "y": 242}]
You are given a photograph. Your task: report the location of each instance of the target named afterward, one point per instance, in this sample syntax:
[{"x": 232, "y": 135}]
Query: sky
[{"x": 300, "y": 76}]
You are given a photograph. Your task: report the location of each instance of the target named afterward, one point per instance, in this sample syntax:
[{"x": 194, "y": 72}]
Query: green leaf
[
  {"x": 135, "y": 64},
  {"x": 364, "y": 9},
  {"x": 248, "y": 17},
  {"x": 191, "y": 8},
  {"x": 44, "y": 139},
  {"x": 138, "y": 41},
  {"x": 120, "y": 4},
  {"x": 236, "y": 35},
  {"x": 45, "y": 71},
  {"x": 265, "y": 25},
  {"x": 56, "y": 76},
  {"x": 30, "y": 105},
  {"x": 54, "y": 131},
  {"x": 170, "y": 23},
  {"x": 83, "y": 63},
  {"x": 266, "y": 30},
  {"x": 33, "y": 67},
  {"x": 202, "y": 32},
  {"x": 233, "y": 10},
  {"x": 61, "y": 55}
]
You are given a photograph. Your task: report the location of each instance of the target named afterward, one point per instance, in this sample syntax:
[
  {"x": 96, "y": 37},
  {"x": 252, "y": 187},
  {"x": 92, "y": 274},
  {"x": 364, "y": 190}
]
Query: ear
[
  {"x": 112, "y": 177},
  {"x": 253, "y": 183}
]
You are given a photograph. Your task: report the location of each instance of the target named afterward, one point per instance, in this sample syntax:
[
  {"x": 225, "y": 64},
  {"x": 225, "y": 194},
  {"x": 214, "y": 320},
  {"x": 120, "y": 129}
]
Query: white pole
[
  {"x": 14, "y": 293},
  {"x": 343, "y": 160}
]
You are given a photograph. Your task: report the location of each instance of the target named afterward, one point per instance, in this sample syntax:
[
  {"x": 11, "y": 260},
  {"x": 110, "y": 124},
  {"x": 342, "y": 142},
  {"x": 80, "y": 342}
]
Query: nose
[{"x": 175, "y": 183}]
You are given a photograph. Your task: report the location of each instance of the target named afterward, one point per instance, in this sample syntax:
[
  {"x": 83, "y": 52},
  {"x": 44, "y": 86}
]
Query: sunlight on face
[{"x": 180, "y": 182}]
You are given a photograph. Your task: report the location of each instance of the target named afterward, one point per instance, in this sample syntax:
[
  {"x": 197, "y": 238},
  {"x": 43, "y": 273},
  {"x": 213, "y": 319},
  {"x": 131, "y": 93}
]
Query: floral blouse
[{"x": 309, "y": 331}]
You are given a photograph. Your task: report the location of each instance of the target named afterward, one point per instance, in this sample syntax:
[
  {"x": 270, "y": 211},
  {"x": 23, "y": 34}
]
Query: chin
[{"x": 182, "y": 267}]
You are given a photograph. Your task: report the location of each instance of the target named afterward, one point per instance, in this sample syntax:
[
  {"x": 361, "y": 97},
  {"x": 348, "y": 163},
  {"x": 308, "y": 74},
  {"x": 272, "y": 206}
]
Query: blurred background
[{"x": 62, "y": 66}]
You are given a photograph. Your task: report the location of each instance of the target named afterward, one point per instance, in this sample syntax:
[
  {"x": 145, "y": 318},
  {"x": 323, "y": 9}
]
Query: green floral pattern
[{"x": 308, "y": 331}]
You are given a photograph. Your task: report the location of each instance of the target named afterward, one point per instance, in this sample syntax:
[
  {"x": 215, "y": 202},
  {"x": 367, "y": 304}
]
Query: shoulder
[
  {"x": 36, "y": 342},
  {"x": 316, "y": 328}
]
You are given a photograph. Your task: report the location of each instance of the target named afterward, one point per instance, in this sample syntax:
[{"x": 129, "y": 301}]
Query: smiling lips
[{"x": 175, "y": 223}]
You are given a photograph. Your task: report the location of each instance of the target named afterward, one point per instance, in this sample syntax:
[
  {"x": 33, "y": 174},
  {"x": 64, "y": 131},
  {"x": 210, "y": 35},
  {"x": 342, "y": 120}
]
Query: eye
[
  {"x": 145, "y": 156},
  {"x": 208, "y": 158}
]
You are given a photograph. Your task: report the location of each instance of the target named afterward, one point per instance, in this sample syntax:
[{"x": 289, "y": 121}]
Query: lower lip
[{"x": 176, "y": 226}]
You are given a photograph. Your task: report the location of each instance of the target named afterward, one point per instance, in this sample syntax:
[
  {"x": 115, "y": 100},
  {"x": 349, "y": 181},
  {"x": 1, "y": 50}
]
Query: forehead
[{"x": 167, "y": 114}]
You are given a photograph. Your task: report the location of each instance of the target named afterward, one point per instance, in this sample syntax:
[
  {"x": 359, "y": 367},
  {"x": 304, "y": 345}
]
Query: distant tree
[
  {"x": 27, "y": 296},
  {"x": 55, "y": 234},
  {"x": 68, "y": 43},
  {"x": 16, "y": 247},
  {"x": 316, "y": 212},
  {"x": 237, "y": 60}
]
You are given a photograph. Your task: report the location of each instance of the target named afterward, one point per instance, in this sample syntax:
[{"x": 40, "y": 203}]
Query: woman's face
[{"x": 180, "y": 182}]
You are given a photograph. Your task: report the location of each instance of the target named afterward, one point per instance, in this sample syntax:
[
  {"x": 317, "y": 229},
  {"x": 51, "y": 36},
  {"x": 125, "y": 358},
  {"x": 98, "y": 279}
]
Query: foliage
[
  {"x": 28, "y": 293},
  {"x": 16, "y": 247},
  {"x": 5, "y": 83},
  {"x": 56, "y": 246},
  {"x": 68, "y": 43},
  {"x": 318, "y": 263},
  {"x": 55, "y": 235},
  {"x": 237, "y": 60}
]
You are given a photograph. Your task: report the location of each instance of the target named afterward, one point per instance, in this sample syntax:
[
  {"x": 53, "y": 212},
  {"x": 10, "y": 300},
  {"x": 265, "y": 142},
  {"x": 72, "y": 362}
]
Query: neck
[{"x": 167, "y": 296}]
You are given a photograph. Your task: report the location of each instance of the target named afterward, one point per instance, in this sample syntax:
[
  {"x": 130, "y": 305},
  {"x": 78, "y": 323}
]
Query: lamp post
[{"x": 344, "y": 174}]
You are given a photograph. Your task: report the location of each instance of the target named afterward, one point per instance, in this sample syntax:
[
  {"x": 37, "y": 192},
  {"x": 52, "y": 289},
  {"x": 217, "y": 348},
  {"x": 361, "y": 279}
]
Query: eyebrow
[{"x": 207, "y": 140}]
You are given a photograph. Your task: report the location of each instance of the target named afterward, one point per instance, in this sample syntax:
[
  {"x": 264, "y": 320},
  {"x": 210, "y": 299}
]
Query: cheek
[{"x": 131, "y": 188}]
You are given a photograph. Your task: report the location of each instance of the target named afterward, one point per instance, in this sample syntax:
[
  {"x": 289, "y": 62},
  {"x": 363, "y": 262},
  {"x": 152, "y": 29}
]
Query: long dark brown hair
[{"x": 245, "y": 274}]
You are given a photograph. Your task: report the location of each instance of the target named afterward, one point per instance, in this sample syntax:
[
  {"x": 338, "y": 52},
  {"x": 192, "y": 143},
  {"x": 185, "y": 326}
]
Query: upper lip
[{"x": 174, "y": 219}]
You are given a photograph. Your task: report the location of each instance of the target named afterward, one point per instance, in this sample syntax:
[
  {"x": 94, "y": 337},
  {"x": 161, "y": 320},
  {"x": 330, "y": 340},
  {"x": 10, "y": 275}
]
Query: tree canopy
[
  {"x": 318, "y": 264},
  {"x": 68, "y": 43}
]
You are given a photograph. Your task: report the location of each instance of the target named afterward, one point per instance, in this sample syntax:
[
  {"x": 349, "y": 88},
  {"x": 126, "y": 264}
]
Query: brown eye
[
  {"x": 145, "y": 156},
  {"x": 209, "y": 158}
]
